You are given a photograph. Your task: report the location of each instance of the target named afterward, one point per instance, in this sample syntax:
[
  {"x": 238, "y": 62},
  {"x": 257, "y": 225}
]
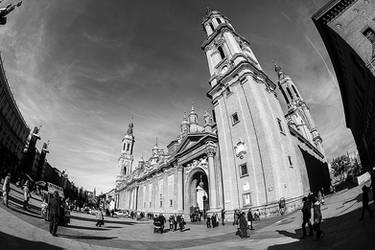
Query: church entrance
[{"x": 197, "y": 195}]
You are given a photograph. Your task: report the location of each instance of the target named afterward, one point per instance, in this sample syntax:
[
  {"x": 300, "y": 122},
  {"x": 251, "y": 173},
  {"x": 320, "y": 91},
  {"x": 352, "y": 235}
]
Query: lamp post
[{"x": 4, "y": 11}]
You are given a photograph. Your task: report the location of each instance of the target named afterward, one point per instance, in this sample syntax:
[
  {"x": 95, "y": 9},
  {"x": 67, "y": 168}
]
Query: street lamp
[{"x": 6, "y": 10}]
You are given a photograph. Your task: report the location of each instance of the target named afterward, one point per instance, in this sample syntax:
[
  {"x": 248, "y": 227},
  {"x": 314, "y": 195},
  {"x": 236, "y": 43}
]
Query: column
[
  {"x": 210, "y": 151},
  {"x": 180, "y": 187}
]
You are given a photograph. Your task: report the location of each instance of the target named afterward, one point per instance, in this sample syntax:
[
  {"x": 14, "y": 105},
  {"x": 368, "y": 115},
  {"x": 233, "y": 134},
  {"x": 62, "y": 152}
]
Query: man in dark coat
[
  {"x": 250, "y": 219},
  {"x": 222, "y": 216},
  {"x": 243, "y": 225},
  {"x": 54, "y": 213},
  {"x": 365, "y": 200},
  {"x": 317, "y": 217},
  {"x": 306, "y": 216}
]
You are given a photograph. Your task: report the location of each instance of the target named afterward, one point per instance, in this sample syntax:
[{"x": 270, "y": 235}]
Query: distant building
[
  {"x": 13, "y": 128},
  {"x": 250, "y": 154},
  {"x": 347, "y": 29}
]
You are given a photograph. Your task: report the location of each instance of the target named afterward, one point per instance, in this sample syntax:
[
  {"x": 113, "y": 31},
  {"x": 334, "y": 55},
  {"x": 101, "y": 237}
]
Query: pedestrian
[
  {"x": 112, "y": 207},
  {"x": 54, "y": 213},
  {"x": 208, "y": 221},
  {"x": 222, "y": 216},
  {"x": 26, "y": 195},
  {"x": 317, "y": 218},
  {"x": 243, "y": 225},
  {"x": 162, "y": 222},
  {"x": 306, "y": 216},
  {"x": 175, "y": 217},
  {"x": 213, "y": 220},
  {"x": 235, "y": 221},
  {"x": 171, "y": 222},
  {"x": 365, "y": 200},
  {"x": 373, "y": 184},
  {"x": 250, "y": 219},
  {"x": 257, "y": 215},
  {"x": 99, "y": 218},
  {"x": 6, "y": 189}
]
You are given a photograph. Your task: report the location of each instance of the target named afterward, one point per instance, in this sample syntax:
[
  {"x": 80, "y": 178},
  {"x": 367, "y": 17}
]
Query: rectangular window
[
  {"x": 235, "y": 119},
  {"x": 290, "y": 161},
  {"x": 280, "y": 126},
  {"x": 369, "y": 34},
  {"x": 170, "y": 203},
  {"x": 246, "y": 199},
  {"x": 243, "y": 170}
]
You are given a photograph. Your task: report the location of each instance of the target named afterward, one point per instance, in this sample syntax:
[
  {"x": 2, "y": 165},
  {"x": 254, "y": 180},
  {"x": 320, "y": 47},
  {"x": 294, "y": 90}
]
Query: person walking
[
  {"x": 236, "y": 215},
  {"x": 243, "y": 225},
  {"x": 306, "y": 216},
  {"x": 54, "y": 213},
  {"x": 99, "y": 218},
  {"x": 222, "y": 217},
  {"x": 26, "y": 195},
  {"x": 365, "y": 200},
  {"x": 6, "y": 189},
  {"x": 250, "y": 219},
  {"x": 208, "y": 221},
  {"x": 317, "y": 218},
  {"x": 373, "y": 184}
]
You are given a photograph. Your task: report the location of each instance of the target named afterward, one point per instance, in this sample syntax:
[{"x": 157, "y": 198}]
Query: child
[{"x": 100, "y": 218}]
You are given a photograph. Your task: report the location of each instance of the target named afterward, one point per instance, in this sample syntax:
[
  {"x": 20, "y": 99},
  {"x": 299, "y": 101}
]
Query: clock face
[{"x": 224, "y": 69}]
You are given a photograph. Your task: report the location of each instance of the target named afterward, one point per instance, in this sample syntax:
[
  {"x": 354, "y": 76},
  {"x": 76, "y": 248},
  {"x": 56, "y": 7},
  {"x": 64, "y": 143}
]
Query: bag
[{"x": 248, "y": 223}]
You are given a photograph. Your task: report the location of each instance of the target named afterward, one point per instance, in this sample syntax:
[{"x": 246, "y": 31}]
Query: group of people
[
  {"x": 176, "y": 220},
  {"x": 312, "y": 202},
  {"x": 6, "y": 191},
  {"x": 212, "y": 221}
]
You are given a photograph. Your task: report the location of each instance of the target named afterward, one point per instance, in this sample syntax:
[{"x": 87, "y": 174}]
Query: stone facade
[{"x": 250, "y": 156}]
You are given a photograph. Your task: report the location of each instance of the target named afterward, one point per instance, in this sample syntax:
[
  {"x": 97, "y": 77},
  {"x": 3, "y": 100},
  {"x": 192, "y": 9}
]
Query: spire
[
  {"x": 280, "y": 74},
  {"x": 130, "y": 128},
  {"x": 192, "y": 108},
  {"x": 156, "y": 141}
]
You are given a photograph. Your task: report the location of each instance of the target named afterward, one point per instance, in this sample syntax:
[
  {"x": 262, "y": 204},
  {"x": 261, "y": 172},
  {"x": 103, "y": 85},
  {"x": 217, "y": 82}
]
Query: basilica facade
[{"x": 248, "y": 154}]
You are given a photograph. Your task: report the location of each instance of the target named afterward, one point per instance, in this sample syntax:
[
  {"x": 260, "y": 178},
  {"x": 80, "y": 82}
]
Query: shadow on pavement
[
  {"x": 21, "y": 211},
  {"x": 105, "y": 221},
  {"x": 88, "y": 228},
  {"x": 85, "y": 237},
  {"x": 112, "y": 227},
  {"x": 340, "y": 232},
  {"x": 12, "y": 242}
]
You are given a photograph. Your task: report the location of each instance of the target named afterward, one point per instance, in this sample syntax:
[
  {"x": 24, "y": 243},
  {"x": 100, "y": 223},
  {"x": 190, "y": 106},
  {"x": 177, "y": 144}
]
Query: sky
[{"x": 82, "y": 69}]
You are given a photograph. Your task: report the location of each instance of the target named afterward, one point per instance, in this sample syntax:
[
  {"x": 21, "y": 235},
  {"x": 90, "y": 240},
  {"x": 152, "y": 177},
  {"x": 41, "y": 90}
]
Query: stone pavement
[{"x": 341, "y": 225}]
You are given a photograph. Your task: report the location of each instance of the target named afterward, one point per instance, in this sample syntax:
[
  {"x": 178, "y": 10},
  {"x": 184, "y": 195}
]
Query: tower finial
[
  {"x": 192, "y": 108},
  {"x": 208, "y": 9},
  {"x": 156, "y": 141},
  {"x": 280, "y": 74}
]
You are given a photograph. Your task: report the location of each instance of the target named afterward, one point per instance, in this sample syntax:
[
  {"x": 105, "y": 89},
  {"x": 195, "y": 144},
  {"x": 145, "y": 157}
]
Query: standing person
[
  {"x": 317, "y": 218},
  {"x": 208, "y": 221},
  {"x": 235, "y": 221},
  {"x": 250, "y": 219},
  {"x": 26, "y": 195},
  {"x": 373, "y": 184},
  {"x": 306, "y": 216},
  {"x": 213, "y": 220},
  {"x": 365, "y": 200},
  {"x": 222, "y": 216},
  {"x": 6, "y": 189},
  {"x": 171, "y": 222},
  {"x": 99, "y": 218},
  {"x": 54, "y": 213},
  {"x": 175, "y": 222},
  {"x": 243, "y": 225},
  {"x": 112, "y": 207}
]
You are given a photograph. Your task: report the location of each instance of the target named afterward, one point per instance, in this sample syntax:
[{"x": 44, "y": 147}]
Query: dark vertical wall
[{"x": 317, "y": 172}]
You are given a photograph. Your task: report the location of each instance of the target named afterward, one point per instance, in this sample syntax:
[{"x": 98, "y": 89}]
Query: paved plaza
[{"x": 341, "y": 213}]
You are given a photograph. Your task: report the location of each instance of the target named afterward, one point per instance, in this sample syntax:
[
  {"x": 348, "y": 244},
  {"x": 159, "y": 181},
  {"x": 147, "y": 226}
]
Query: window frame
[
  {"x": 247, "y": 170},
  {"x": 233, "y": 120},
  {"x": 243, "y": 199}
]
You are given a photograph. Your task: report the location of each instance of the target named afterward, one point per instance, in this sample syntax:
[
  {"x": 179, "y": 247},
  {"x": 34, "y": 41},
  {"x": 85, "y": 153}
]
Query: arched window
[
  {"x": 127, "y": 147},
  {"x": 289, "y": 92},
  {"x": 286, "y": 98},
  {"x": 221, "y": 52},
  {"x": 124, "y": 170},
  {"x": 218, "y": 21},
  {"x": 212, "y": 27},
  {"x": 295, "y": 91},
  {"x": 123, "y": 147}
]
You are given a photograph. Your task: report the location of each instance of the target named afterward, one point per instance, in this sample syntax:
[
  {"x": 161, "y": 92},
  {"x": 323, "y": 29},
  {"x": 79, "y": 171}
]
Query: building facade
[
  {"x": 13, "y": 128},
  {"x": 250, "y": 155},
  {"x": 347, "y": 28}
]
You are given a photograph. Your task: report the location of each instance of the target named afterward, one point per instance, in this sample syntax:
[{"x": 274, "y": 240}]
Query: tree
[{"x": 340, "y": 166}]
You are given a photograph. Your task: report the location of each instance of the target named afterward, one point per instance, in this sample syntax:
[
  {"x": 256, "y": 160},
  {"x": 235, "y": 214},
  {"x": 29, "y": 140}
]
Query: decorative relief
[
  {"x": 210, "y": 148},
  {"x": 240, "y": 149},
  {"x": 196, "y": 163}
]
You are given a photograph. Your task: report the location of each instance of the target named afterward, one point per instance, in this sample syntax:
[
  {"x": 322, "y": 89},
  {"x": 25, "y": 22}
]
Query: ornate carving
[
  {"x": 210, "y": 148},
  {"x": 196, "y": 163},
  {"x": 240, "y": 149}
]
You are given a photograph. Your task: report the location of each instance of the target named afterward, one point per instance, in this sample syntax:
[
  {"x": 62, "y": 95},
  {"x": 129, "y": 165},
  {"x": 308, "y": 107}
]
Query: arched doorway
[{"x": 196, "y": 191}]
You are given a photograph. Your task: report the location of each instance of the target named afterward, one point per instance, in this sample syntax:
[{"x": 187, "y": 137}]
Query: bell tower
[
  {"x": 126, "y": 156},
  {"x": 256, "y": 150},
  {"x": 298, "y": 115}
]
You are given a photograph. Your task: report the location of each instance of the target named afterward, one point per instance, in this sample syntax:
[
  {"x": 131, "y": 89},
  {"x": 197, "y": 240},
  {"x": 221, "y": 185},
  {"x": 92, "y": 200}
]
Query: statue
[{"x": 5, "y": 11}]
